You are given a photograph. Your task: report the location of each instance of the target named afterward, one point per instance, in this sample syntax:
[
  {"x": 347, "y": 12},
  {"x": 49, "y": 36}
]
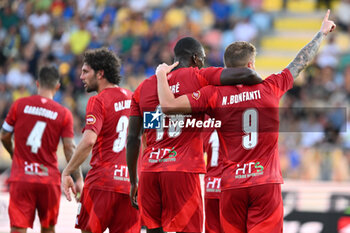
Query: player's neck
[
  {"x": 46, "y": 93},
  {"x": 104, "y": 85}
]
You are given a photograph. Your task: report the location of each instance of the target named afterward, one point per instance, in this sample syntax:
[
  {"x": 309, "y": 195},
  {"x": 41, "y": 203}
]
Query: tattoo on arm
[{"x": 305, "y": 55}]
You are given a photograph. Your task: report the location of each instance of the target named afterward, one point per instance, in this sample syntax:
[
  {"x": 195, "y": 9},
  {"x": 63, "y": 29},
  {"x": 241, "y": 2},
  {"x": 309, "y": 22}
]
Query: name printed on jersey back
[
  {"x": 175, "y": 88},
  {"x": 241, "y": 97},
  {"x": 40, "y": 111},
  {"x": 121, "y": 105}
]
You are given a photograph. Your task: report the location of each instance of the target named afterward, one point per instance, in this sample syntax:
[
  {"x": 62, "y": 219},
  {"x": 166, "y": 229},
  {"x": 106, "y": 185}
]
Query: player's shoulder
[
  {"x": 147, "y": 84},
  {"x": 27, "y": 99},
  {"x": 126, "y": 92},
  {"x": 285, "y": 73},
  {"x": 56, "y": 107},
  {"x": 211, "y": 89}
]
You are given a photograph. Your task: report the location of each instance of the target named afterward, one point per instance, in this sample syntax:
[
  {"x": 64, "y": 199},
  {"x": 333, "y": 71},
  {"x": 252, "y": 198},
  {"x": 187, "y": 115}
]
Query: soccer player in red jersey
[
  {"x": 38, "y": 123},
  {"x": 212, "y": 180},
  {"x": 105, "y": 201},
  {"x": 251, "y": 198},
  {"x": 169, "y": 193}
]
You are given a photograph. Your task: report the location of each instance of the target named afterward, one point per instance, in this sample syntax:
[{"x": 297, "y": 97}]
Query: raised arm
[
  {"x": 307, "y": 53},
  {"x": 167, "y": 100},
  {"x": 239, "y": 75},
  {"x": 132, "y": 154}
]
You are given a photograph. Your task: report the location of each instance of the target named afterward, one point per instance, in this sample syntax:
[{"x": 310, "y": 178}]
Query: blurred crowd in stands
[{"x": 143, "y": 33}]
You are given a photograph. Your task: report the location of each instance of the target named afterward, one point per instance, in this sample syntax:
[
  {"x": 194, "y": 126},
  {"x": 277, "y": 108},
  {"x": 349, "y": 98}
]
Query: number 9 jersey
[
  {"x": 38, "y": 124},
  {"x": 249, "y": 132}
]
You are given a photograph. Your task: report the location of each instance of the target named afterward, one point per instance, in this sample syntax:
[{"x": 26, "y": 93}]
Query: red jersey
[
  {"x": 107, "y": 114},
  {"x": 249, "y": 131},
  {"x": 212, "y": 179},
  {"x": 172, "y": 147},
  {"x": 37, "y": 123}
]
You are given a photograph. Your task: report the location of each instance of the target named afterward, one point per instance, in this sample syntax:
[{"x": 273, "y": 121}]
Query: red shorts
[
  {"x": 171, "y": 200},
  {"x": 212, "y": 216},
  {"x": 257, "y": 209},
  {"x": 26, "y": 197},
  {"x": 99, "y": 210}
]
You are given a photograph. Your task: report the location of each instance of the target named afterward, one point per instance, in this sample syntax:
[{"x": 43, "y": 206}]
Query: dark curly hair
[{"x": 106, "y": 60}]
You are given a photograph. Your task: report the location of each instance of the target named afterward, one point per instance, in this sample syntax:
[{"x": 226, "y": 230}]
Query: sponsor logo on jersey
[
  {"x": 35, "y": 169},
  {"x": 248, "y": 170},
  {"x": 161, "y": 155},
  {"x": 196, "y": 95},
  {"x": 90, "y": 119},
  {"x": 213, "y": 184},
  {"x": 121, "y": 173}
]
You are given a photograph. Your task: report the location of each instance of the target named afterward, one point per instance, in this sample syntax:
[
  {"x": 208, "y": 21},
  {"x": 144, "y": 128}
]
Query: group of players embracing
[{"x": 145, "y": 164}]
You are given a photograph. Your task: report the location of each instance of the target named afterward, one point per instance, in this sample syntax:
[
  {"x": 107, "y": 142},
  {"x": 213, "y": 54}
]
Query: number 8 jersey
[
  {"x": 249, "y": 132},
  {"x": 38, "y": 124}
]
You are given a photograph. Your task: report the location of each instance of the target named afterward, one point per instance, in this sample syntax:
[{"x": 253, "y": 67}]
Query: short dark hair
[
  {"x": 187, "y": 47},
  {"x": 238, "y": 54},
  {"x": 48, "y": 77},
  {"x": 106, "y": 60}
]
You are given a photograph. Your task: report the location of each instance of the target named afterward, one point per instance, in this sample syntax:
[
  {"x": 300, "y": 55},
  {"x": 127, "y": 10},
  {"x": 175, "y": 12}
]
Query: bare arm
[
  {"x": 132, "y": 154},
  {"x": 82, "y": 152},
  {"x": 68, "y": 148},
  {"x": 167, "y": 100},
  {"x": 6, "y": 139},
  {"x": 308, "y": 53},
  {"x": 240, "y": 75}
]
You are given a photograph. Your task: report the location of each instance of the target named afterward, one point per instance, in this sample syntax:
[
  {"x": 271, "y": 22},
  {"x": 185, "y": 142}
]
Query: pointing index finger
[
  {"x": 174, "y": 64},
  {"x": 327, "y": 15}
]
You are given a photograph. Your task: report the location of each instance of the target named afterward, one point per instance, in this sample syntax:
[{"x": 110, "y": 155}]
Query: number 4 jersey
[
  {"x": 249, "y": 132},
  {"x": 107, "y": 114},
  {"x": 38, "y": 124}
]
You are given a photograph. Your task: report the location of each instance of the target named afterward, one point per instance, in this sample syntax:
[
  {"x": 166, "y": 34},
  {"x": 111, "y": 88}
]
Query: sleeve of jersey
[
  {"x": 135, "y": 103},
  {"x": 94, "y": 115},
  {"x": 202, "y": 99},
  {"x": 67, "y": 131},
  {"x": 212, "y": 75},
  {"x": 280, "y": 83},
  {"x": 10, "y": 120}
]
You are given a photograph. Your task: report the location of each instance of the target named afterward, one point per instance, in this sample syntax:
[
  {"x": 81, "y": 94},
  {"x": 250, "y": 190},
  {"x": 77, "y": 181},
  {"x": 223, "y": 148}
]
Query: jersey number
[
  {"x": 214, "y": 141},
  {"x": 34, "y": 139},
  {"x": 250, "y": 128},
  {"x": 174, "y": 129},
  {"x": 122, "y": 128}
]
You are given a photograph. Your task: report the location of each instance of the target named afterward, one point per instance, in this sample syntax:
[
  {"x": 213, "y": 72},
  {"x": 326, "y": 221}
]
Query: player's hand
[
  {"x": 165, "y": 68},
  {"x": 133, "y": 196},
  {"x": 67, "y": 184},
  {"x": 79, "y": 183},
  {"x": 327, "y": 25}
]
